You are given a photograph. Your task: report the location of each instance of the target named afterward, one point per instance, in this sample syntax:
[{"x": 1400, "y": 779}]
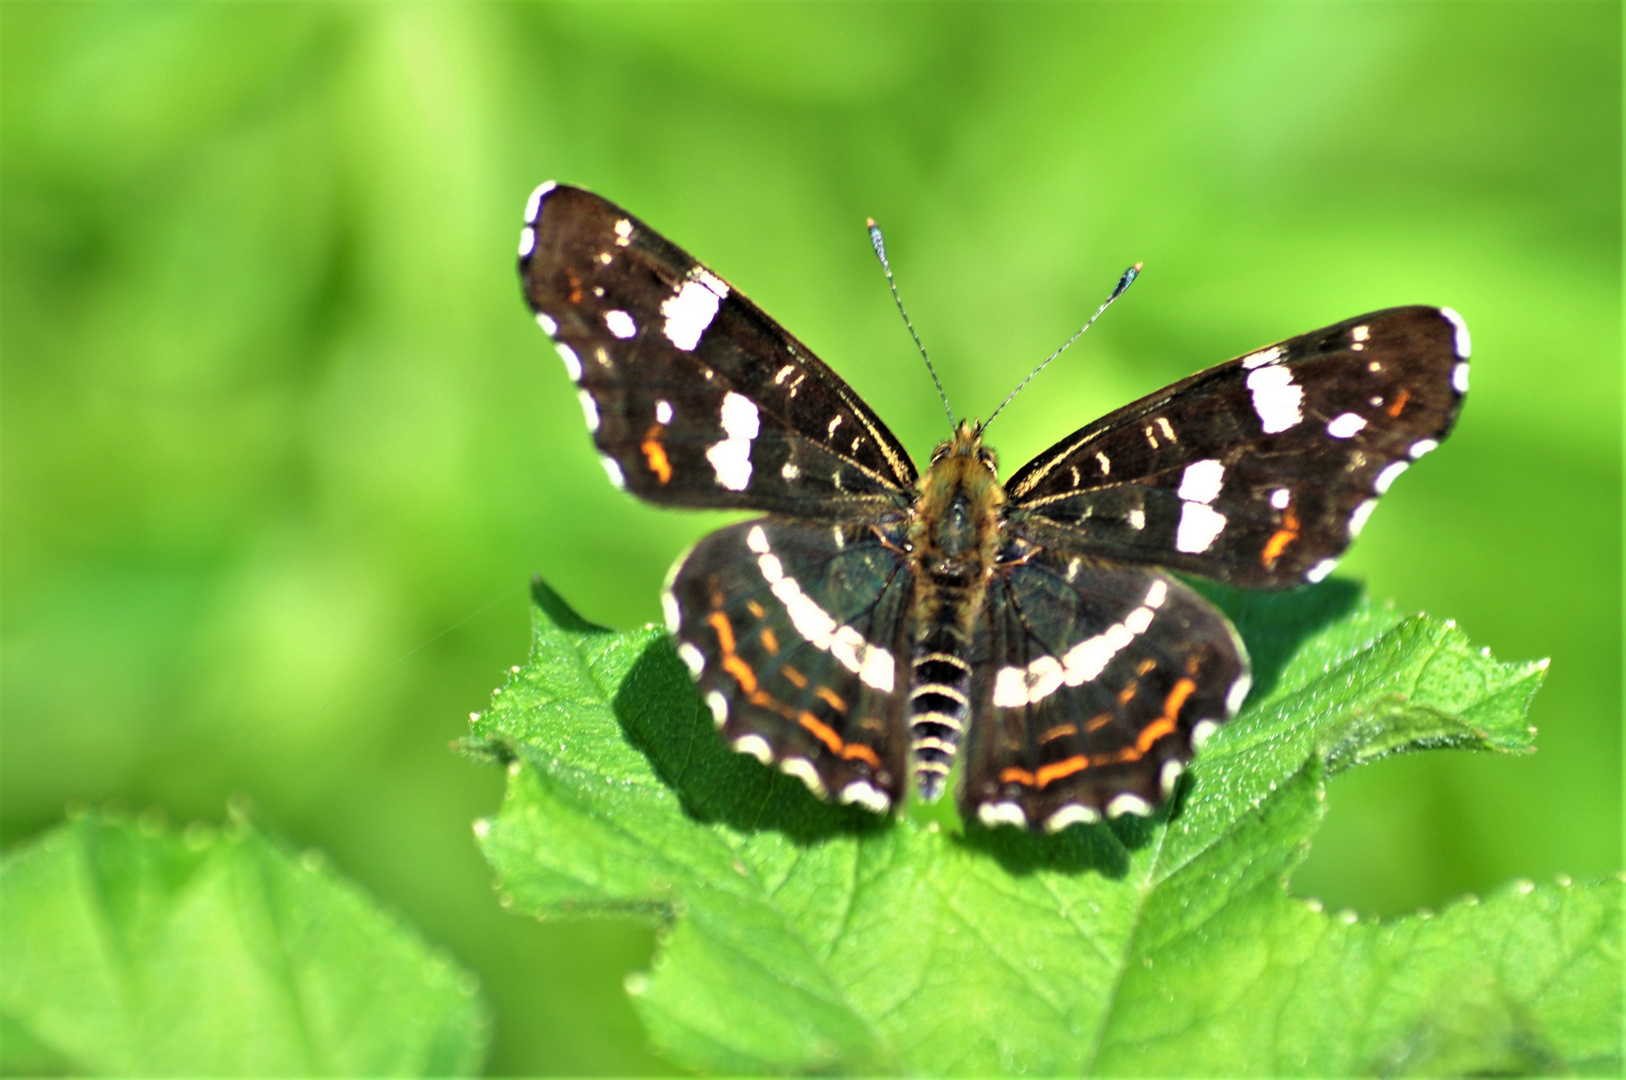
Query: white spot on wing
[
  {"x": 1238, "y": 693},
  {"x": 1461, "y": 343},
  {"x": 865, "y": 794},
  {"x": 620, "y": 323},
  {"x": 527, "y": 241},
  {"x": 1388, "y": 475},
  {"x": 690, "y": 310},
  {"x": 1202, "y": 481},
  {"x": 589, "y": 409},
  {"x": 803, "y": 770},
  {"x": 1001, "y": 813},
  {"x": 1280, "y": 498},
  {"x": 1459, "y": 378},
  {"x": 1104, "y": 462},
  {"x": 663, "y": 412},
  {"x": 669, "y": 608},
  {"x": 1276, "y": 398},
  {"x": 1421, "y": 447},
  {"x": 756, "y": 746},
  {"x": 757, "y": 540},
  {"x": 718, "y": 704},
  {"x": 1360, "y": 333},
  {"x": 1071, "y": 814},
  {"x": 1345, "y": 425},
  {"x": 1010, "y": 691},
  {"x": 1201, "y": 732},
  {"x": 1137, "y": 519},
  {"x": 623, "y": 232},
  {"x": 1169, "y": 776},
  {"x": 1357, "y": 520},
  {"x": 790, "y": 471},
  {"x": 1156, "y": 594},
  {"x": 1200, "y": 524},
  {"x": 731, "y": 458},
  {"x": 1128, "y": 804},
  {"x": 573, "y": 364},
  {"x": 1262, "y": 357},
  {"x": 545, "y": 321},
  {"x": 693, "y": 659},
  {"x": 1320, "y": 570},
  {"x": 612, "y": 469},
  {"x": 533, "y": 205}
]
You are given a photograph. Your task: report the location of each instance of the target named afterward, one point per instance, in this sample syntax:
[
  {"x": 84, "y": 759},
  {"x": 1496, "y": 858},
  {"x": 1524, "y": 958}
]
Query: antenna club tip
[
  {"x": 869, "y": 223},
  {"x": 1138, "y": 266}
]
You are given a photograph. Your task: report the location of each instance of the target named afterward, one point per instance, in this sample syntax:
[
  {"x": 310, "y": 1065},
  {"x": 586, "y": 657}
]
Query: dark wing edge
[
  {"x": 1258, "y": 472},
  {"x": 694, "y": 396}
]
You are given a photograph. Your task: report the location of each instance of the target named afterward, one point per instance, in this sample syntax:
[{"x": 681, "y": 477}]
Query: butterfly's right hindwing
[
  {"x": 796, "y": 633},
  {"x": 694, "y": 397}
]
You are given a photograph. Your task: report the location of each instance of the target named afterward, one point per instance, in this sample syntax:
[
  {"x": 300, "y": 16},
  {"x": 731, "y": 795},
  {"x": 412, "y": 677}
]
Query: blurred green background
[{"x": 282, "y": 446}]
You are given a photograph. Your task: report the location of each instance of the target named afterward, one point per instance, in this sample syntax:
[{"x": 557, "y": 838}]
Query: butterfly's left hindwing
[
  {"x": 693, "y": 396},
  {"x": 1096, "y": 684},
  {"x": 797, "y": 633},
  {"x": 1260, "y": 471}
]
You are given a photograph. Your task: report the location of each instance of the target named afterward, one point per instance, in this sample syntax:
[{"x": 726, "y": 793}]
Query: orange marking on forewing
[
  {"x": 770, "y": 639},
  {"x": 1400, "y": 402},
  {"x": 1097, "y": 722},
  {"x": 831, "y": 697},
  {"x": 1020, "y": 776},
  {"x": 1057, "y": 732},
  {"x": 1282, "y": 537},
  {"x": 655, "y": 453},
  {"x": 1145, "y": 665},
  {"x": 820, "y": 731},
  {"x": 796, "y": 677},
  {"x": 755, "y": 608},
  {"x": 1128, "y": 692},
  {"x": 863, "y": 753},
  {"x": 575, "y": 286}
]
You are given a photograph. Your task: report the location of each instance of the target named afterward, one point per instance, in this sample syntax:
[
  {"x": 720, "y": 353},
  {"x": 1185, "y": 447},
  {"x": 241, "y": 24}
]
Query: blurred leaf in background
[{"x": 281, "y": 446}]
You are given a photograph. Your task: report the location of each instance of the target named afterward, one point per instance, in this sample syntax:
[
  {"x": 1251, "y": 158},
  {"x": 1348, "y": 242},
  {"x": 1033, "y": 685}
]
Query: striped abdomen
[{"x": 940, "y": 696}]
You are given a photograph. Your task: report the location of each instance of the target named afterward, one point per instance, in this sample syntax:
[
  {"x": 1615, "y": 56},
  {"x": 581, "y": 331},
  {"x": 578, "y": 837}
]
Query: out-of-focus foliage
[
  {"x": 281, "y": 447},
  {"x": 133, "y": 951}
]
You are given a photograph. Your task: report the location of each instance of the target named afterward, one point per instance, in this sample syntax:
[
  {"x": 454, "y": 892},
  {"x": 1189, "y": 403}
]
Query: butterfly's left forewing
[
  {"x": 693, "y": 396},
  {"x": 1258, "y": 472}
]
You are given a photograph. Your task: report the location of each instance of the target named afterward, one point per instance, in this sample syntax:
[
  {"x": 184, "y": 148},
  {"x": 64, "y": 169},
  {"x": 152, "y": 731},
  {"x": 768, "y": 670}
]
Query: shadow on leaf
[{"x": 1274, "y": 624}]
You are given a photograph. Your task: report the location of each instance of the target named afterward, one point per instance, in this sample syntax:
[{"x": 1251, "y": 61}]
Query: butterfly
[{"x": 875, "y": 618}]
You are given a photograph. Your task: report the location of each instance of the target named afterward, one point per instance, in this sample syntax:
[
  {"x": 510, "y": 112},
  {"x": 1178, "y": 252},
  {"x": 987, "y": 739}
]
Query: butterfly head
[{"x": 966, "y": 448}]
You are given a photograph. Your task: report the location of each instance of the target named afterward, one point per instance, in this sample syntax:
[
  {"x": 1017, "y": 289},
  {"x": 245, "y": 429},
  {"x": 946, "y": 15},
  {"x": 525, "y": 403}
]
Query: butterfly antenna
[
  {"x": 880, "y": 253},
  {"x": 1124, "y": 282}
]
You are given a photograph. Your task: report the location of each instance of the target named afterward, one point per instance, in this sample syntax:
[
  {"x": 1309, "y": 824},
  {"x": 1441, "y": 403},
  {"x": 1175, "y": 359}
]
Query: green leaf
[
  {"x": 133, "y": 951},
  {"x": 804, "y": 937}
]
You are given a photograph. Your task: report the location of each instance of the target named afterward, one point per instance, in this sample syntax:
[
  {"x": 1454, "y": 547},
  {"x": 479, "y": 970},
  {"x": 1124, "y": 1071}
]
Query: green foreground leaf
[
  {"x": 131, "y": 951},
  {"x": 805, "y": 937}
]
